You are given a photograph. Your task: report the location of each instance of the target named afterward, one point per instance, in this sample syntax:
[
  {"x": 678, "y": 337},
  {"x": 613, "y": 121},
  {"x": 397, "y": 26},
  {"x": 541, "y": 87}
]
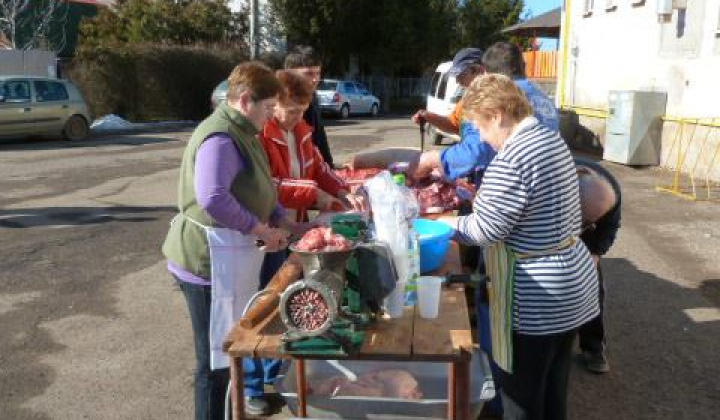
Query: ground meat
[{"x": 322, "y": 239}]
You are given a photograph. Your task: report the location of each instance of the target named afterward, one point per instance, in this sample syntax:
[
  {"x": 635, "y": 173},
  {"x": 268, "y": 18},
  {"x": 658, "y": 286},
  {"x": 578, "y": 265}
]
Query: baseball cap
[{"x": 464, "y": 59}]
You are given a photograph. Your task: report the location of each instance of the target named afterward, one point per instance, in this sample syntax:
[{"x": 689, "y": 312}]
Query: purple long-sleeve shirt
[{"x": 217, "y": 163}]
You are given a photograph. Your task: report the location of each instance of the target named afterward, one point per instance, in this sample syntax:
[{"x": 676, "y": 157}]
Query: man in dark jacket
[
  {"x": 600, "y": 200},
  {"x": 303, "y": 60}
]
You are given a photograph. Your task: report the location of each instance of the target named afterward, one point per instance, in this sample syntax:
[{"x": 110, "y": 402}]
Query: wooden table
[{"x": 447, "y": 338}]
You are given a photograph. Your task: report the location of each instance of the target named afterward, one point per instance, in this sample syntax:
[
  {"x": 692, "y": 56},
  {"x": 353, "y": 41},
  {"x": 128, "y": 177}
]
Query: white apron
[{"x": 235, "y": 263}]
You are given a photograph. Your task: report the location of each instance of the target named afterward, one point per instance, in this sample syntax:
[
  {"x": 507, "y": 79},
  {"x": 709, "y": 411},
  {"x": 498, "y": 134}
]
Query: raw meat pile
[
  {"x": 392, "y": 383},
  {"x": 321, "y": 239},
  {"x": 434, "y": 195},
  {"x": 356, "y": 177}
]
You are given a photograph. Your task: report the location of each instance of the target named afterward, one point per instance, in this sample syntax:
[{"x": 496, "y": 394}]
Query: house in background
[{"x": 669, "y": 46}]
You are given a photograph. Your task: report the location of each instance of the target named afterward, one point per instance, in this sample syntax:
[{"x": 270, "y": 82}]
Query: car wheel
[
  {"x": 374, "y": 110},
  {"x": 345, "y": 111},
  {"x": 76, "y": 128}
]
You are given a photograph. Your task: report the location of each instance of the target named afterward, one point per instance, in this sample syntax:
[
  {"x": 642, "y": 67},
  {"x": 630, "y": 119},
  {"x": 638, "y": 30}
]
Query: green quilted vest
[{"x": 186, "y": 244}]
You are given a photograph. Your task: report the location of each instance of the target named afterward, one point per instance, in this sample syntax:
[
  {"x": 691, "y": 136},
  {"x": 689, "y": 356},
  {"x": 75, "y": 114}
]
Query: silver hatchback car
[
  {"x": 344, "y": 97},
  {"x": 42, "y": 106}
]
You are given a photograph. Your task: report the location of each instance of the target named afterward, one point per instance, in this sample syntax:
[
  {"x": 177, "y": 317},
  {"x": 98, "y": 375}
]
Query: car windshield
[{"x": 327, "y": 85}]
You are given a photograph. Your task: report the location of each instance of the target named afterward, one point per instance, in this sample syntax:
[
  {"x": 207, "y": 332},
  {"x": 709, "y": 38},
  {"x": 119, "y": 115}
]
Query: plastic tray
[{"x": 432, "y": 377}]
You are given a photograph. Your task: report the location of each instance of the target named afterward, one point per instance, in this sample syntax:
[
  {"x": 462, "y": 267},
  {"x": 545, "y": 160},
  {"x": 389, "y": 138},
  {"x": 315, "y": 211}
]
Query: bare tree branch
[{"x": 17, "y": 16}]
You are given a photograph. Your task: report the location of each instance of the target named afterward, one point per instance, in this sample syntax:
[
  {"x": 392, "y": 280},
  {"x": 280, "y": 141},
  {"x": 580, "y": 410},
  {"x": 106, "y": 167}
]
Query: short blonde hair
[
  {"x": 493, "y": 92},
  {"x": 253, "y": 77},
  {"x": 295, "y": 88}
]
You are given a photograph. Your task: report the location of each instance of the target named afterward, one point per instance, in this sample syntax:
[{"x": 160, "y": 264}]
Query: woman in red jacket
[{"x": 302, "y": 177}]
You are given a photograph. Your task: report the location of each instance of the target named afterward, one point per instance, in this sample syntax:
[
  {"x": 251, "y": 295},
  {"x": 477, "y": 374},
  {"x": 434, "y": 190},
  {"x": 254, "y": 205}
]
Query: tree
[
  {"x": 480, "y": 21},
  {"x": 172, "y": 22},
  {"x": 391, "y": 36},
  {"x": 28, "y": 24}
]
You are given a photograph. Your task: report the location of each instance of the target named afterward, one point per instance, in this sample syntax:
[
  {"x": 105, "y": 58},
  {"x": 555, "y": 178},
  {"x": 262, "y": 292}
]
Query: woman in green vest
[{"x": 227, "y": 202}]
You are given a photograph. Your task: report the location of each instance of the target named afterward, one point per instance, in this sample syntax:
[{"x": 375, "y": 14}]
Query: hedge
[{"x": 153, "y": 82}]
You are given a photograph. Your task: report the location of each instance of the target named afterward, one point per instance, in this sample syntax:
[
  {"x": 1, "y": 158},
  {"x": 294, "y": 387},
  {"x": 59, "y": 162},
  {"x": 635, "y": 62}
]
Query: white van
[{"x": 444, "y": 93}]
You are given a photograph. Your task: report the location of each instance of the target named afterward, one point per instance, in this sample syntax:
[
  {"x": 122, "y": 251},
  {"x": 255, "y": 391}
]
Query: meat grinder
[{"x": 339, "y": 295}]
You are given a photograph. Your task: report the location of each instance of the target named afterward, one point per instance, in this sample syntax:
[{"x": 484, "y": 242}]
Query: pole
[{"x": 254, "y": 30}]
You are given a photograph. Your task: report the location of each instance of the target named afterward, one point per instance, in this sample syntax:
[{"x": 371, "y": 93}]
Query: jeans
[
  {"x": 265, "y": 370},
  {"x": 592, "y": 334},
  {"x": 211, "y": 385},
  {"x": 537, "y": 389},
  {"x": 482, "y": 309}
]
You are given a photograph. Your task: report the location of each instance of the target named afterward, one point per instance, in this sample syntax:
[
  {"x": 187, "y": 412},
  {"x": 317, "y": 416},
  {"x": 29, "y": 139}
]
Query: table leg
[
  {"x": 452, "y": 391},
  {"x": 237, "y": 388},
  {"x": 462, "y": 376},
  {"x": 301, "y": 387}
]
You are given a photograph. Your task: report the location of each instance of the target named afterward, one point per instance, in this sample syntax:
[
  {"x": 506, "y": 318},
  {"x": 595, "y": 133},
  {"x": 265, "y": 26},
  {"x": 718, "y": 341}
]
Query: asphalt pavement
[{"x": 94, "y": 328}]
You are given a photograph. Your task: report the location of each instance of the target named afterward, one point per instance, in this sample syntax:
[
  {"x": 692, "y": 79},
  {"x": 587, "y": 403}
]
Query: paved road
[{"x": 92, "y": 327}]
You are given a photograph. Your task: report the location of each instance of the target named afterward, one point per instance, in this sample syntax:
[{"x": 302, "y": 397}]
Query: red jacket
[{"x": 298, "y": 193}]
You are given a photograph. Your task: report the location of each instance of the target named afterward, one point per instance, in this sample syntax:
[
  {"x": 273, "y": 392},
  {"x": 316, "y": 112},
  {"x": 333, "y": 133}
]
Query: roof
[{"x": 546, "y": 25}]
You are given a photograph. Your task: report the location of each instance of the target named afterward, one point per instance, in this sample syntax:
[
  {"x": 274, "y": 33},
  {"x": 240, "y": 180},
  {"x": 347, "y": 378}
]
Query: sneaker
[
  {"x": 256, "y": 406},
  {"x": 596, "y": 362}
]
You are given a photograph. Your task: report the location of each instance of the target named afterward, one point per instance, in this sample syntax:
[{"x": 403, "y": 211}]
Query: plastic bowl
[{"x": 434, "y": 243}]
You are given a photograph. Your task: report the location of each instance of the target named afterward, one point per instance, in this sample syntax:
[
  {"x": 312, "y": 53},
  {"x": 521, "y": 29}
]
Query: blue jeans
[
  {"x": 211, "y": 385},
  {"x": 265, "y": 370},
  {"x": 482, "y": 309}
]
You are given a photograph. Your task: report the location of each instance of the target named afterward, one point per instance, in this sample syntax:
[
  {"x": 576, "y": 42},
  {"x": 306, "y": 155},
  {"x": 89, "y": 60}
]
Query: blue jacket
[{"x": 472, "y": 154}]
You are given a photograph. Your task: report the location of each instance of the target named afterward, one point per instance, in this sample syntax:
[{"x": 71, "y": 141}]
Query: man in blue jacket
[{"x": 471, "y": 155}]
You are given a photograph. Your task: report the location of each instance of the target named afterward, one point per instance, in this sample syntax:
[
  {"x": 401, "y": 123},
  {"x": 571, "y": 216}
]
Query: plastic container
[
  {"x": 432, "y": 379},
  {"x": 434, "y": 243},
  {"x": 429, "y": 296}
]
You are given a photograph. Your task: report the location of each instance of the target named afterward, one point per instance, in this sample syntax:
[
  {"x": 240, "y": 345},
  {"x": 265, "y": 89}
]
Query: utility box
[{"x": 633, "y": 134}]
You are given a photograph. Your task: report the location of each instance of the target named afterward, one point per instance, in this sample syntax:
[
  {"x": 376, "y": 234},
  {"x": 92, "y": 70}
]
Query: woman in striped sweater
[{"x": 527, "y": 216}]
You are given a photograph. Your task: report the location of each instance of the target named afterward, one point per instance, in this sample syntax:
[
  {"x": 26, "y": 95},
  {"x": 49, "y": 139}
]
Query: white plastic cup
[
  {"x": 429, "y": 296},
  {"x": 395, "y": 301}
]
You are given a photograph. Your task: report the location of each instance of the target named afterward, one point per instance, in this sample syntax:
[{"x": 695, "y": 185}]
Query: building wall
[{"x": 626, "y": 48}]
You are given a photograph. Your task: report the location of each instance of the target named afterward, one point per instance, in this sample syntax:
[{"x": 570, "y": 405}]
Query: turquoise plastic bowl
[{"x": 434, "y": 243}]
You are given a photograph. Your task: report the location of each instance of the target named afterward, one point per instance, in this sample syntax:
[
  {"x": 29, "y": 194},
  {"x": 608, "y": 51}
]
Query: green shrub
[{"x": 153, "y": 82}]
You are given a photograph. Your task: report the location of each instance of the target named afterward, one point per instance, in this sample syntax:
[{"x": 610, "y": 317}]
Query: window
[
  {"x": 434, "y": 83},
  {"x": 16, "y": 91},
  {"x": 50, "y": 91},
  {"x": 349, "y": 88},
  {"x": 443, "y": 86},
  {"x": 326, "y": 85},
  {"x": 588, "y": 7}
]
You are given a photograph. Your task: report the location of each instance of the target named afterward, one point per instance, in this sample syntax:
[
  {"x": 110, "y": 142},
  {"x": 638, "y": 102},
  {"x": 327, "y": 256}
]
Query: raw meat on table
[
  {"x": 321, "y": 239},
  {"x": 434, "y": 194},
  {"x": 392, "y": 383}
]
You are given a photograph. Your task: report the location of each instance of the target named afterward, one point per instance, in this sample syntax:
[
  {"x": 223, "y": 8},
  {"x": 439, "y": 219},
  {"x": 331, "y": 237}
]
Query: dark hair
[
  {"x": 302, "y": 56},
  {"x": 295, "y": 88},
  {"x": 253, "y": 77},
  {"x": 504, "y": 58}
]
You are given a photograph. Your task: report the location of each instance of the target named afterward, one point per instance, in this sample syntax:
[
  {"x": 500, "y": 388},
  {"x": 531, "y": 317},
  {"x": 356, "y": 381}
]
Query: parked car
[
  {"x": 219, "y": 94},
  {"x": 444, "y": 94},
  {"x": 42, "y": 106},
  {"x": 344, "y": 98}
]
